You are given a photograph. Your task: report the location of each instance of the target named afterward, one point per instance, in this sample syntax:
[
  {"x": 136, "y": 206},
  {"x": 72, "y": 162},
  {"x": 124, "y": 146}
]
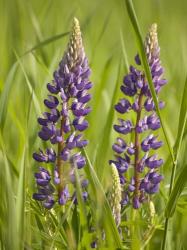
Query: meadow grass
[{"x": 34, "y": 35}]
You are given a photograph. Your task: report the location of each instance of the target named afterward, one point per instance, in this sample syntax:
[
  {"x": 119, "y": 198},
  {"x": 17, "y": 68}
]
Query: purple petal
[
  {"x": 136, "y": 203},
  {"x": 80, "y": 124},
  {"x": 53, "y": 89},
  {"x": 52, "y": 102},
  {"x": 39, "y": 197},
  {"x": 49, "y": 203},
  {"x": 137, "y": 60}
]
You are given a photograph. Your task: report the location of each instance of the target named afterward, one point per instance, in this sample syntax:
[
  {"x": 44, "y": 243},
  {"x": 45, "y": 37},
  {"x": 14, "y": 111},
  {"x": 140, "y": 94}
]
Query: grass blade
[
  {"x": 20, "y": 202},
  {"x": 177, "y": 190},
  {"x": 98, "y": 188},
  {"x": 84, "y": 243},
  {"x": 5, "y": 95},
  {"x": 32, "y": 92},
  {"x": 106, "y": 130},
  {"x": 124, "y": 51},
  {"x": 80, "y": 200},
  {"x": 46, "y": 42},
  {"x": 9, "y": 227},
  {"x": 182, "y": 121}
]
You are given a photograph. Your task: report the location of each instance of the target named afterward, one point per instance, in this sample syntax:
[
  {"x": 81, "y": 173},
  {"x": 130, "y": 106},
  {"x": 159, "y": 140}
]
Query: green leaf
[
  {"x": 103, "y": 79},
  {"x": 82, "y": 214},
  {"x": 175, "y": 194},
  {"x": 182, "y": 121},
  {"x": 124, "y": 52},
  {"x": 29, "y": 85},
  {"x": 52, "y": 39},
  {"x": 105, "y": 138},
  {"x": 81, "y": 203},
  {"x": 46, "y": 42},
  {"x": 39, "y": 223},
  {"x": 76, "y": 224},
  {"x": 20, "y": 202},
  {"x": 9, "y": 215},
  {"x": 5, "y": 94},
  {"x": 97, "y": 188},
  {"x": 101, "y": 33}
]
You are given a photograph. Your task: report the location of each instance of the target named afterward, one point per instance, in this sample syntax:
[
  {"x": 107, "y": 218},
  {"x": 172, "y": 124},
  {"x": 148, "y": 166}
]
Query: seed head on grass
[
  {"x": 63, "y": 124},
  {"x": 139, "y": 154},
  {"x": 115, "y": 196}
]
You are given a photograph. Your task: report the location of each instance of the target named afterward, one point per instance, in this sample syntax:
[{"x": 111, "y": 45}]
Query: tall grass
[{"x": 33, "y": 37}]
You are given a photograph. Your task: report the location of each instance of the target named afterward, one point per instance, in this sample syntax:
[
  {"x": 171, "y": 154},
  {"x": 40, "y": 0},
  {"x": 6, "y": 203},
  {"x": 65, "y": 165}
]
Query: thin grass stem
[{"x": 164, "y": 242}]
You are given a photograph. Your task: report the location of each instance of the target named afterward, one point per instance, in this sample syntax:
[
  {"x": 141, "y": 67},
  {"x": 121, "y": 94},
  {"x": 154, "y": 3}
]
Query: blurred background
[{"x": 33, "y": 39}]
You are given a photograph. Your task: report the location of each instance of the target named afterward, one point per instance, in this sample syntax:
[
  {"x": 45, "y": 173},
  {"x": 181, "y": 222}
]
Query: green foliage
[{"x": 34, "y": 36}]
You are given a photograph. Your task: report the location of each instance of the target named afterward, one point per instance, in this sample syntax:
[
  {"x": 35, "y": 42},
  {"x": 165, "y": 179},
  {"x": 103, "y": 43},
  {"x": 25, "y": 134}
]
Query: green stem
[
  {"x": 135, "y": 237},
  {"x": 165, "y": 234},
  {"x": 164, "y": 242},
  {"x": 137, "y": 148},
  {"x": 60, "y": 163},
  {"x": 132, "y": 228}
]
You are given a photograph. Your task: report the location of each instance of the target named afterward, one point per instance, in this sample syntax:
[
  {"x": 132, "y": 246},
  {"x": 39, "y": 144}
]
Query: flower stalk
[
  {"x": 60, "y": 161},
  {"x": 137, "y": 148}
]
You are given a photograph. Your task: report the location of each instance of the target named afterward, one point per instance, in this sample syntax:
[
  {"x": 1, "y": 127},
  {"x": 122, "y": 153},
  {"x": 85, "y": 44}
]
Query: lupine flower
[
  {"x": 62, "y": 125},
  {"x": 139, "y": 154},
  {"x": 115, "y": 196},
  {"x": 93, "y": 244}
]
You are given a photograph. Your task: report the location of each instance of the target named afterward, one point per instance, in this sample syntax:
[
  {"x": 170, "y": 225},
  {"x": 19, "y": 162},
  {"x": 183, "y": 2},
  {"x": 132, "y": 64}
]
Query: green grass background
[{"x": 32, "y": 41}]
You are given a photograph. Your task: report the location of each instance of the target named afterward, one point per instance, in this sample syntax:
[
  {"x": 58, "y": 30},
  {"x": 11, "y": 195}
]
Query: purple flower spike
[
  {"x": 144, "y": 180},
  {"x": 67, "y": 109}
]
